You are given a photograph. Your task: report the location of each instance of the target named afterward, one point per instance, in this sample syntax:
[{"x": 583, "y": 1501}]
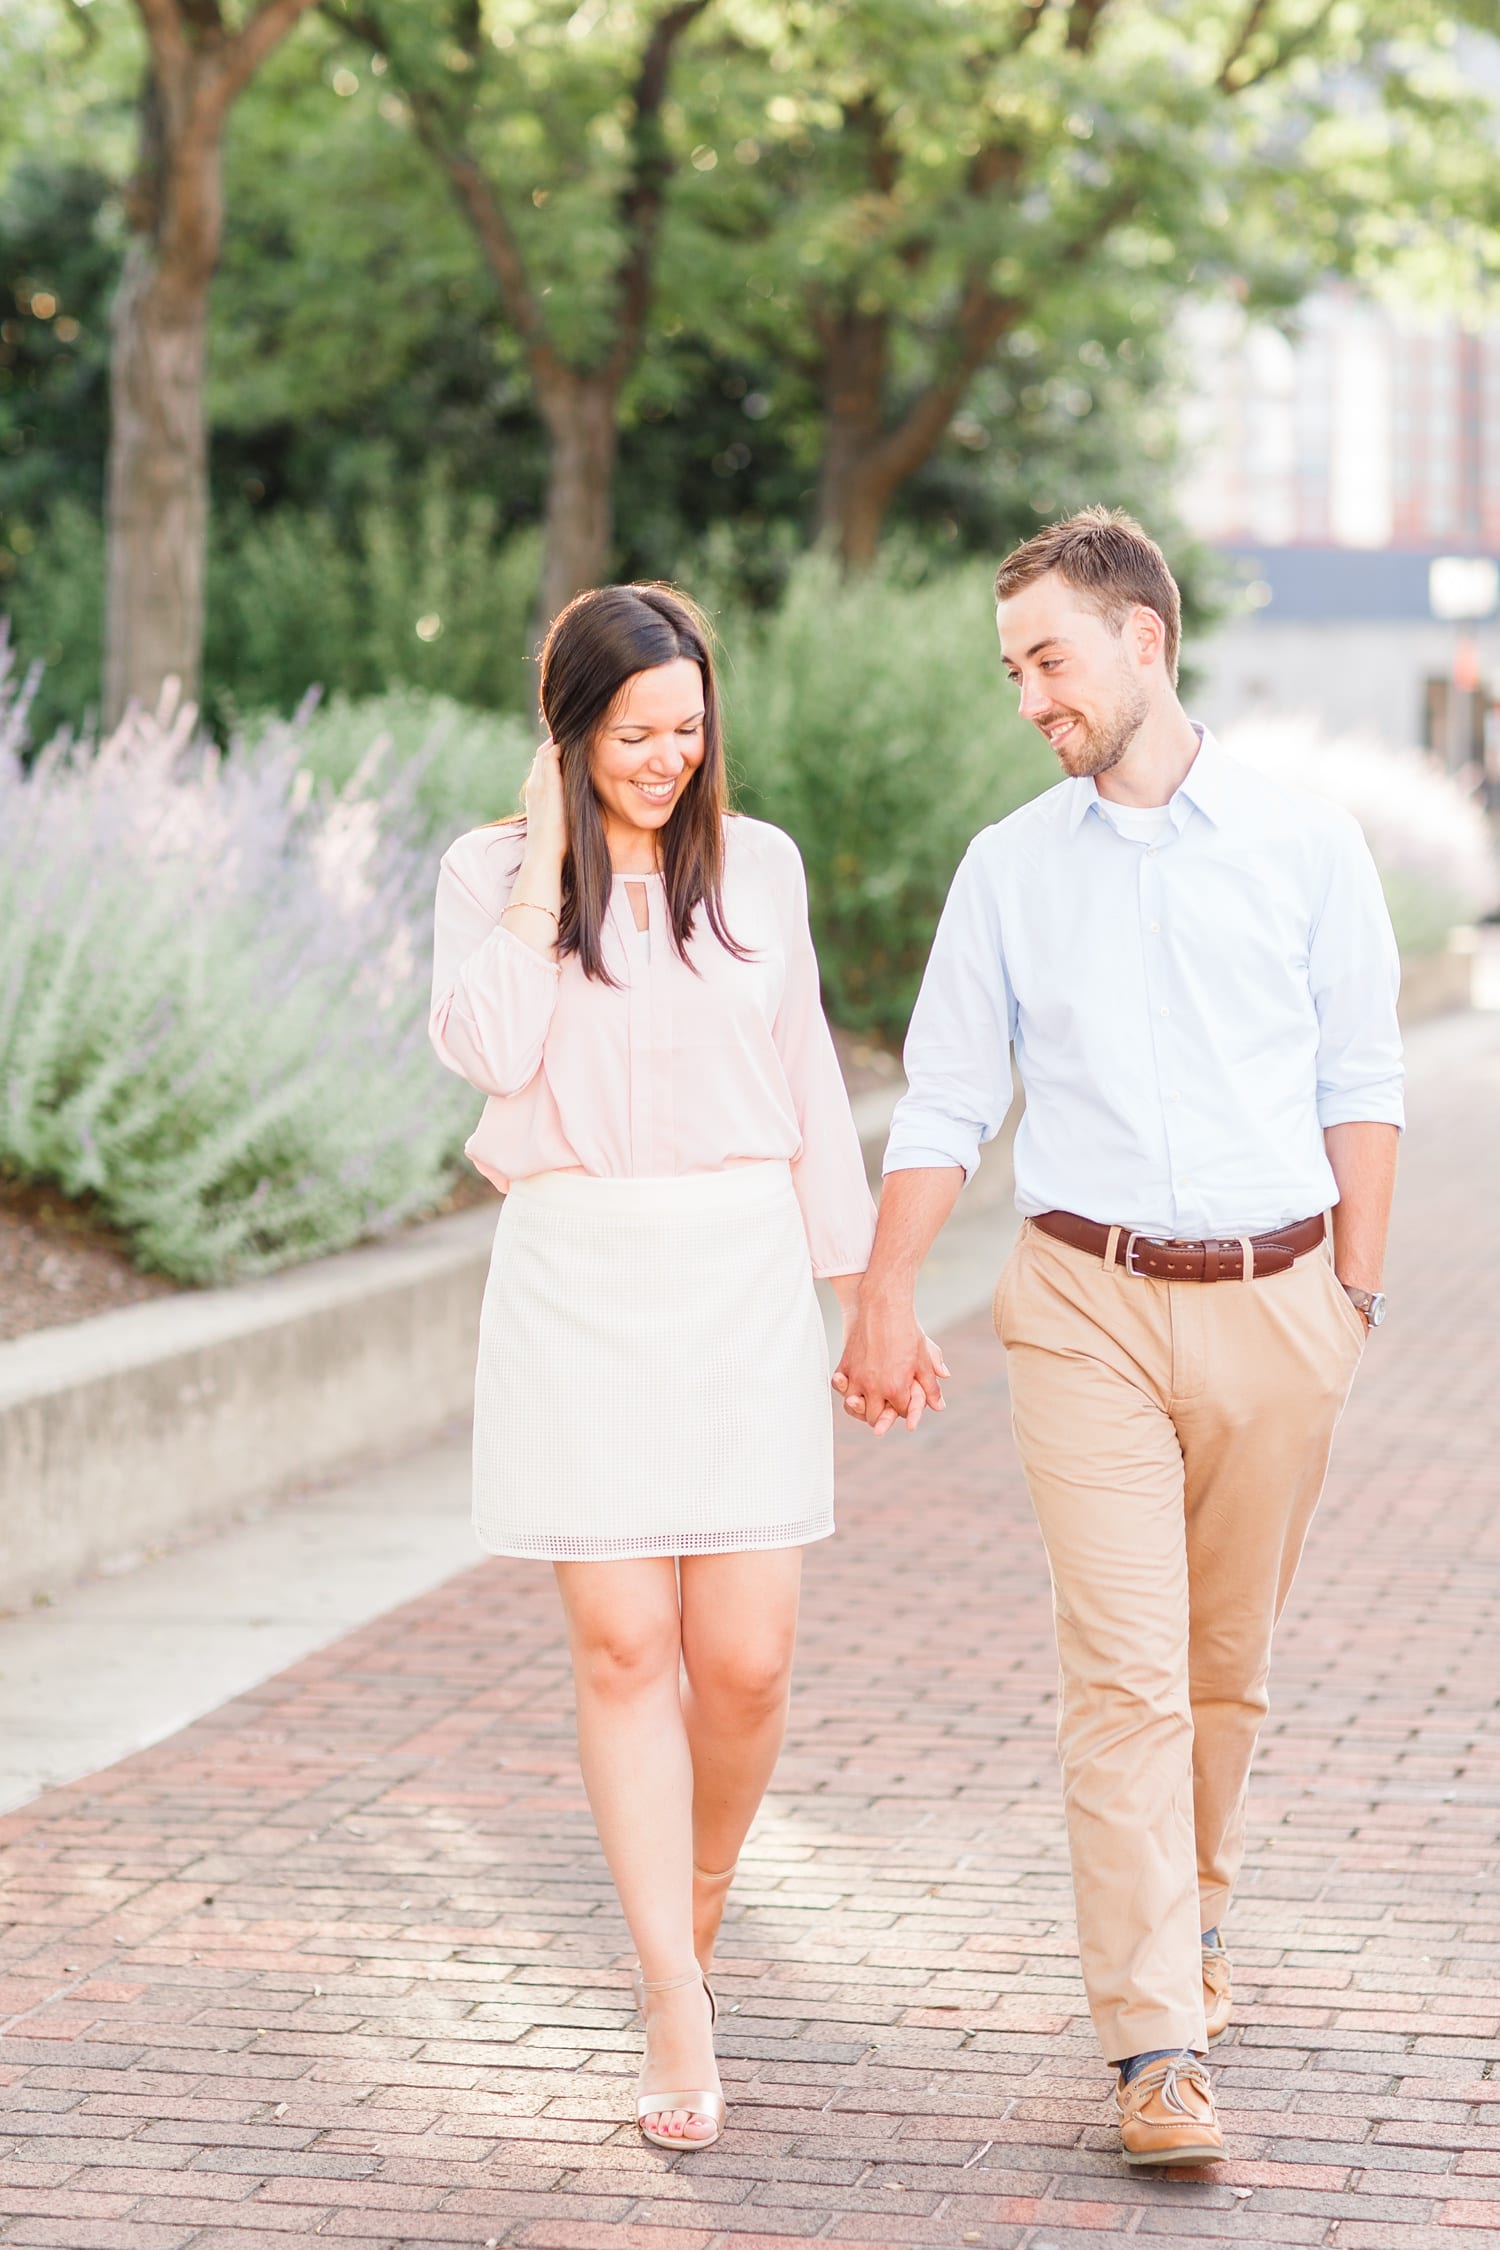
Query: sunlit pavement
[{"x": 340, "y": 1958}]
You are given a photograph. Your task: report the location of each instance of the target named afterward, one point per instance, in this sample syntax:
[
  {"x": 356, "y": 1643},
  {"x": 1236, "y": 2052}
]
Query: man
[{"x": 1195, "y": 970}]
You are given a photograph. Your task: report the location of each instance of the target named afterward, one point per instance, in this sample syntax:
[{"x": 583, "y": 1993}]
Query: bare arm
[
  {"x": 1363, "y": 1157},
  {"x": 890, "y": 1370}
]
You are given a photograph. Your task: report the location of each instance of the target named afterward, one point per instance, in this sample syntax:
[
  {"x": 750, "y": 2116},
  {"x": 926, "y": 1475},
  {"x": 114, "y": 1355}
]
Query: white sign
[{"x": 1460, "y": 586}]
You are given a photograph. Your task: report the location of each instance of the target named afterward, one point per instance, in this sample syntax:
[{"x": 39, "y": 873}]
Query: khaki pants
[{"x": 1175, "y": 1437}]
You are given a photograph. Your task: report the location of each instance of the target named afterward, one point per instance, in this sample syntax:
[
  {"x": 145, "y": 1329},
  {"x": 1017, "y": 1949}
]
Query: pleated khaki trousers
[{"x": 1175, "y": 1437}]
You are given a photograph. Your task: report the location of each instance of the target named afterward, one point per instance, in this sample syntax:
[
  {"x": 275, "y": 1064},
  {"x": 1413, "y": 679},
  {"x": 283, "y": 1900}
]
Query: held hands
[{"x": 890, "y": 1370}]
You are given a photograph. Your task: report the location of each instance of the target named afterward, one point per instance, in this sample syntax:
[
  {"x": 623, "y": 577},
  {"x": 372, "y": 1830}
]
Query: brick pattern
[{"x": 341, "y": 1960}]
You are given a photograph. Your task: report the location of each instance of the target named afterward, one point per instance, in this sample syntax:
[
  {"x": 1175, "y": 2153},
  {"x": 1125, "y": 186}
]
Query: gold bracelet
[{"x": 535, "y": 907}]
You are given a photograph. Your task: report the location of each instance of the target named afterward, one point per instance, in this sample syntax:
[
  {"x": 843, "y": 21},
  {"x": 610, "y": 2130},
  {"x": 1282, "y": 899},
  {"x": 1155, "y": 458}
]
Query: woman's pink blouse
[{"x": 680, "y": 1066}]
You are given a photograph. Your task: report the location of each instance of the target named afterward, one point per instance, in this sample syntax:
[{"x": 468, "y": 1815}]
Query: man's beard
[{"x": 1095, "y": 749}]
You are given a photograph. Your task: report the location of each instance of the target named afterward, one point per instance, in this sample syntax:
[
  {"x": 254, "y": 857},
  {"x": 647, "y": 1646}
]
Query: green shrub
[
  {"x": 462, "y": 766},
  {"x": 425, "y": 595},
  {"x": 1423, "y": 915},
  {"x": 284, "y": 614},
  {"x": 296, "y": 600},
  {"x": 871, "y": 720},
  {"x": 55, "y": 603}
]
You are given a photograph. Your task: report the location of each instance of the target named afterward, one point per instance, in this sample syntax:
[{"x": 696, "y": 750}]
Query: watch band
[{"x": 1369, "y": 1302}]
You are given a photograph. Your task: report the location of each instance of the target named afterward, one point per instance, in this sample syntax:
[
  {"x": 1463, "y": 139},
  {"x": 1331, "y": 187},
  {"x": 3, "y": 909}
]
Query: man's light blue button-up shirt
[{"x": 1186, "y": 1016}]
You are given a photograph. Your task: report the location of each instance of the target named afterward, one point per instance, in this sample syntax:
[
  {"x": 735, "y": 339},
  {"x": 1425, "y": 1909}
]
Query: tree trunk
[
  {"x": 156, "y": 498},
  {"x": 853, "y": 493},
  {"x": 157, "y": 503},
  {"x": 865, "y": 460},
  {"x": 579, "y": 410},
  {"x": 854, "y": 498}
]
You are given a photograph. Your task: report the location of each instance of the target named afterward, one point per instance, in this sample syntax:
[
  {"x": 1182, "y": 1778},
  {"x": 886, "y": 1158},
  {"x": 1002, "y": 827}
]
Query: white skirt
[{"x": 653, "y": 1370}]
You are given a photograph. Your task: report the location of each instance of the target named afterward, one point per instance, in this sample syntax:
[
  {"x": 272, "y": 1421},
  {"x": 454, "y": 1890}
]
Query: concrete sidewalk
[{"x": 341, "y": 1959}]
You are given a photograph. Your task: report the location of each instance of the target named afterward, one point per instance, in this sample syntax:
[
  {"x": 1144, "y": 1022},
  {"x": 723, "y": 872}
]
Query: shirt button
[
  {"x": 1154, "y": 928},
  {"x": 1174, "y": 1096},
  {"x": 1164, "y": 1011},
  {"x": 1150, "y": 851}
]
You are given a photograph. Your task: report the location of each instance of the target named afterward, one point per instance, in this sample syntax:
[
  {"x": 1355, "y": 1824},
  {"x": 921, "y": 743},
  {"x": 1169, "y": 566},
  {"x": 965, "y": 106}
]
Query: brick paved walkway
[{"x": 340, "y": 1960}]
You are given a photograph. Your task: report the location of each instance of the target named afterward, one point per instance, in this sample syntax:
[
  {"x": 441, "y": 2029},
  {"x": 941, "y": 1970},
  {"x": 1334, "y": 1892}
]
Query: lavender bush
[{"x": 213, "y": 993}]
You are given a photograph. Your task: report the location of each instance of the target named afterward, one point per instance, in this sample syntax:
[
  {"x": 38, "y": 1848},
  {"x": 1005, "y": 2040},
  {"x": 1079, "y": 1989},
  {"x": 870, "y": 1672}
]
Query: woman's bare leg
[
  {"x": 739, "y": 1634},
  {"x": 625, "y": 1632}
]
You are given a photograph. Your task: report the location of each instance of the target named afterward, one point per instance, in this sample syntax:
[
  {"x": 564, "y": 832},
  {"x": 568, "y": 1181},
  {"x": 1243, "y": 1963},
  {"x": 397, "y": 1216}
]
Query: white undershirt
[{"x": 1139, "y": 824}]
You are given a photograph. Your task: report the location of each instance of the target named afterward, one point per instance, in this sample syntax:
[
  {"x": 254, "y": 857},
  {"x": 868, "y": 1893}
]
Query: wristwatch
[{"x": 1370, "y": 1302}]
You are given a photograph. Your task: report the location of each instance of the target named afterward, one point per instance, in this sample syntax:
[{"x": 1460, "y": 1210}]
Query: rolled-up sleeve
[
  {"x": 957, "y": 1053},
  {"x": 493, "y": 996},
  {"x": 1354, "y": 972},
  {"x": 828, "y": 1174}
]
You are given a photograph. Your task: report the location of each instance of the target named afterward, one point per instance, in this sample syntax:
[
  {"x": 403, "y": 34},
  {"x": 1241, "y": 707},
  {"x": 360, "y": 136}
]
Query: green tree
[
  {"x": 357, "y": 352},
  {"x": 567, "y": 114},
  {"x": 918, "y": 184}
]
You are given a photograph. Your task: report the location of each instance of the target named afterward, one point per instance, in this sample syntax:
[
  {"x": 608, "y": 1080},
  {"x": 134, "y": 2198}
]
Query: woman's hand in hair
[
  {"x": 546, "y": 811},
  {"x": 534, "y": 910}
]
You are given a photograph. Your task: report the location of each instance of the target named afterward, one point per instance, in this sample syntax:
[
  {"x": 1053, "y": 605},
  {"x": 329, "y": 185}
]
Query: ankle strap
[{"x": 668, "y": 1984}]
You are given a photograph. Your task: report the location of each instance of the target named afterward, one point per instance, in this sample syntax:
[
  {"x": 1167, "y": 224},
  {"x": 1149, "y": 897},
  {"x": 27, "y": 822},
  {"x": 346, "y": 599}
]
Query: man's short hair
[{"x": 1104, "y": 555}]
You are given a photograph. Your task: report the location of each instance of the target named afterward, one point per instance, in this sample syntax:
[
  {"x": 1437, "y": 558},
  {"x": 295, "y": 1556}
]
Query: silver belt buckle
[{"x": 1131, "y": 1240}]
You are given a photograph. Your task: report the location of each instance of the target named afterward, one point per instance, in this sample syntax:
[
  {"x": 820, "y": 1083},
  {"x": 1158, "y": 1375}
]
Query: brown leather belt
[{"x": 1150, "y": 1257}]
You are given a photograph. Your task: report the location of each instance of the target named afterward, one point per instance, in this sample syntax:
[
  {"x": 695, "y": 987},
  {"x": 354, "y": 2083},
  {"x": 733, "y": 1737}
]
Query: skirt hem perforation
[{"x": 595, "y": 1547}]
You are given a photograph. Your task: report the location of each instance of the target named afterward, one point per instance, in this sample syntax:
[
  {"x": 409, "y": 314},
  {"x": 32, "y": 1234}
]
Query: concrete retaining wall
[{"x": 122, "y": 1432}]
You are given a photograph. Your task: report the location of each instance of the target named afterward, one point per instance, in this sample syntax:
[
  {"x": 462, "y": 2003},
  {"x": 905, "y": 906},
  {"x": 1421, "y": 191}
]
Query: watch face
[{"x": 1376, "y": 1312}]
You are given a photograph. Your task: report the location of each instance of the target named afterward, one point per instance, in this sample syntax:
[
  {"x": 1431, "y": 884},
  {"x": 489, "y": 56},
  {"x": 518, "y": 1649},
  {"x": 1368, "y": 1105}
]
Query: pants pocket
[
  {"x": 1349, "y": 1312},
  {"x": 1005, "y": 1286}
]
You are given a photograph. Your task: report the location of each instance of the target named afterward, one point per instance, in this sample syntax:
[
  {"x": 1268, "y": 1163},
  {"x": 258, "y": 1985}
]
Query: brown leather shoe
[
  {"x": 1217, "y": 1991},
  {"x": 1167, "y": 2114}
]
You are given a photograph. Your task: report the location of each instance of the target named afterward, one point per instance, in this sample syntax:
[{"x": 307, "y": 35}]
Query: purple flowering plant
[{"x": 214, "y": 971}]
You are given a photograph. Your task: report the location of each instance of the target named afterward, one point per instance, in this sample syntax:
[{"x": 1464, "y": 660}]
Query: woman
[{"x": 627, "y": 973}]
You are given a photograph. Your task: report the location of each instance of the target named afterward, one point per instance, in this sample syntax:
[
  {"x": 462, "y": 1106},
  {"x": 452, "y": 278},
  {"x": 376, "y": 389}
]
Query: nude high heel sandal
[{"x": 703, "y": 2102}]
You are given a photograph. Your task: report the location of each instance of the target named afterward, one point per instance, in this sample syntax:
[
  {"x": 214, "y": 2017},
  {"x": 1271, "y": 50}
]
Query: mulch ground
[
  {"x": 59, "y": 1261},
  {"x": 341, "y": 1960}
]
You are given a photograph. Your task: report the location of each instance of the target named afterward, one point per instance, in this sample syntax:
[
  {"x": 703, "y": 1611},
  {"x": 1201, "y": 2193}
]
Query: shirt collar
[
  {"x": 1207, "y": 781},
  {"x": 1204, "y": 788}
]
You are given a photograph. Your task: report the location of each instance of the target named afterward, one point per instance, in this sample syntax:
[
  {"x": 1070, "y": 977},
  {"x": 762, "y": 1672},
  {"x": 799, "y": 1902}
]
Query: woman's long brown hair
[{"x": 601, "y": 640}]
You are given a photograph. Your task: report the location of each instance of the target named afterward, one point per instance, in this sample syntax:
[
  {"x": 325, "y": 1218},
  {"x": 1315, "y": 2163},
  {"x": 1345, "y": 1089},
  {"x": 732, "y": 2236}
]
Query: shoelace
[{"x": 1167, "y": 2076}]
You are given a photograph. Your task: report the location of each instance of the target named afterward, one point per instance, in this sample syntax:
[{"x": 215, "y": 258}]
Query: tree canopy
[{"x": 829, "y": 266}]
